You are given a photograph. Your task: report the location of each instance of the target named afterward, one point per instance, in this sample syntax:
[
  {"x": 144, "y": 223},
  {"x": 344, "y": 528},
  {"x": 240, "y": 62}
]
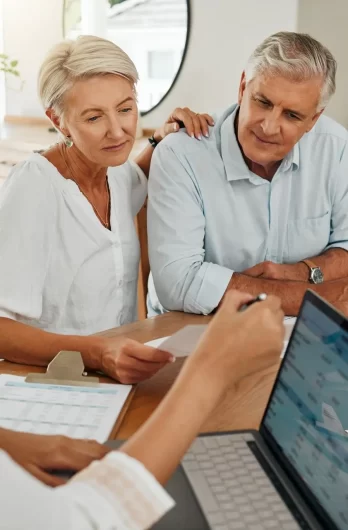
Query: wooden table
[{"x": 242, "y": 411}]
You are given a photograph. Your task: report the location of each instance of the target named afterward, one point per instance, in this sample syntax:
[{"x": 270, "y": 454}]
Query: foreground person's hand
[{"x": 237, "y": 344}]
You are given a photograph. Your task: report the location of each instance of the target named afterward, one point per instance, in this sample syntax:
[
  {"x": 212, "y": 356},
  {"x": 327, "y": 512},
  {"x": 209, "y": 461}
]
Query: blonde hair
[{"x": 71, "y": 60}]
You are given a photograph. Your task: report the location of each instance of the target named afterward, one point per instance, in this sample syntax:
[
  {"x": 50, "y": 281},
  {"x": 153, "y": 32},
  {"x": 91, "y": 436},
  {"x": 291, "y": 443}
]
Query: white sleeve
[
  {"x": 27, "y": 503},
  {"x": 117, "y": 492},
  {"x": 27, "y": 216},
  {"x": 139, "y": 187}
]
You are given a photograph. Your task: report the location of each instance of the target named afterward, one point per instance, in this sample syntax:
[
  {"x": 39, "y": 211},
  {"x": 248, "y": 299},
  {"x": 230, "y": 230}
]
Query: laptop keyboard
[{"x": 231, "y": 486}]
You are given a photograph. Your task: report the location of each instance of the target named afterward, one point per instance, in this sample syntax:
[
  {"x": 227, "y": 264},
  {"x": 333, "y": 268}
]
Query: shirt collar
[{"x": 235, "y": 166}]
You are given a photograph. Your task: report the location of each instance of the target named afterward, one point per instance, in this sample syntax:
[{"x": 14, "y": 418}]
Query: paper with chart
[
  {"x": 184, "y": 341},
  {"x": 75, "y": 411}
]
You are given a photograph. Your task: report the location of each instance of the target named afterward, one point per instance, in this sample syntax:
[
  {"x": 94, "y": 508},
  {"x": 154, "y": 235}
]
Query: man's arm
[
  {"x": 290, "y": 281},
  {"x": 333, "y": 263},
  {"x": 291, "y": 292},
  {"x": 184, "y": 281}
]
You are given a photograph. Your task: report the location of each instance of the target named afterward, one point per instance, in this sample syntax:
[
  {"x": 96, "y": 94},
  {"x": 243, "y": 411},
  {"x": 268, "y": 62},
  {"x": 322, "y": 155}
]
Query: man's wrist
[{"x": 302, "y": 272}]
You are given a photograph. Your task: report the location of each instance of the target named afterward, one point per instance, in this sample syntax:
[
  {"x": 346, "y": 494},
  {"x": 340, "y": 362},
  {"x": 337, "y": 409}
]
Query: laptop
[{"x": 293, "y": 472}]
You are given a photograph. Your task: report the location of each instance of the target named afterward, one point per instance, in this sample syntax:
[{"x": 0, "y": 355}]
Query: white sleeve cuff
[
  {"x": 209, "y": 287},
  {"x": 120, "y": 491}
]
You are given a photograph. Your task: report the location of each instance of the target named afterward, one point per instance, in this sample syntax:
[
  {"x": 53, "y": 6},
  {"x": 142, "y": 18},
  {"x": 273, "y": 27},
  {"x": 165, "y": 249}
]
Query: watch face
[{"x": 317, "y": 276}]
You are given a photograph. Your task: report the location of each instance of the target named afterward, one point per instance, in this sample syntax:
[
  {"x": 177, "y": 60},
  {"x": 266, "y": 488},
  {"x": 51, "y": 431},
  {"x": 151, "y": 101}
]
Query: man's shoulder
[
  {"x": 182, "y": 144},
  {"x": 329, "y": 127}
]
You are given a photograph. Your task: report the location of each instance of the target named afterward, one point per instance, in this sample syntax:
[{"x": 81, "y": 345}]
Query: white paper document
[
  {"x": 184, "y": 341},
  {"x": 75, "y": 411}
]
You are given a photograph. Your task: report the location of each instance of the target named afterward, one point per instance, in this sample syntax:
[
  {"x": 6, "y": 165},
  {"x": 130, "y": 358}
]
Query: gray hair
[
  {"x": 296, "y": 56},
  {"x": 85, "y": 57}
]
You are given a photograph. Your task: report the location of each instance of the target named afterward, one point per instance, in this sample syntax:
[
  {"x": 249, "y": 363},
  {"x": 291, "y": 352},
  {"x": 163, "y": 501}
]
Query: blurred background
[{"x": 188, "y": 52}]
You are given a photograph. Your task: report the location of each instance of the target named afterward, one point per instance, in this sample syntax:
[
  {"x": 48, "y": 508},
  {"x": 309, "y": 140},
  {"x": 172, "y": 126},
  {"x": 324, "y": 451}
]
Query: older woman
[{"x": 69, "y": 250}]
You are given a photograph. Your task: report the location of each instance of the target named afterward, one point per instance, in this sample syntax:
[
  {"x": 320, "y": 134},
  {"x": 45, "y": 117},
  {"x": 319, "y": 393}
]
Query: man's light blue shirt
[{"x": 209, "y": 215}]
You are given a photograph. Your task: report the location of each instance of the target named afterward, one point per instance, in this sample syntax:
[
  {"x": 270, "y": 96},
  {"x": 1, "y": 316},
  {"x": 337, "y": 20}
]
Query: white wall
[
  {"x": 327, "y": 21},
  {"x": 30, "y": 29},
  {"x": 2, "y": 77},
  {"x": 223, "y": 34}
]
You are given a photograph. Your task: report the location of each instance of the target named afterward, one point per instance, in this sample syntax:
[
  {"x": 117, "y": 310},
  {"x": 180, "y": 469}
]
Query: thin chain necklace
[{"x": 105, "y": 222}]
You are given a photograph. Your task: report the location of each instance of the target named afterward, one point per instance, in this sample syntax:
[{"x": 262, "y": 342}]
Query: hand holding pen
[{"x": 259, "y": 298}]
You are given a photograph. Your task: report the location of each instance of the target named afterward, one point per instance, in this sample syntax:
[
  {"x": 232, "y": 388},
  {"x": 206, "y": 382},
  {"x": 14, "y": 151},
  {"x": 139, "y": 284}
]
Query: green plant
[
  {"x": 114, "y": 2},
  {"x": 7, "y": 66}
]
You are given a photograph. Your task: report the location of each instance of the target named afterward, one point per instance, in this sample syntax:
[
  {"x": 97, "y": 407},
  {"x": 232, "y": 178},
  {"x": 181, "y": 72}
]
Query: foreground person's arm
[
  {"x": 217, "y": 364},
  {"x": 123, "y": 492}
]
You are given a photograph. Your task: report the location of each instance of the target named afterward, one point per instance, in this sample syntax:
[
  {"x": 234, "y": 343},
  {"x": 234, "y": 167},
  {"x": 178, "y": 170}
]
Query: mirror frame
[
  {"x": 188, "y": 34},
  {"x": 187, "y": 41}
]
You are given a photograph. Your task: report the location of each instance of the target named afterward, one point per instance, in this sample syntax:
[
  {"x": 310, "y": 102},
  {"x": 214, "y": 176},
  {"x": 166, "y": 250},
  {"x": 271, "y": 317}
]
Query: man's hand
[
  {"x": 39, "y": 454},
  {"x": 279, "y": 271},
  {"x": 129, "y": 361}
]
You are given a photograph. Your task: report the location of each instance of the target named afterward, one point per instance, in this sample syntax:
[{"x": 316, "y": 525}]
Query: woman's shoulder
[
  {"x": 125, "y": 171},
  {"x": 127, "y": 176},
  {"x": 121, "y": 174},
  {"x": 31, "y": 173},
  {"x": 30, "y": 184}
]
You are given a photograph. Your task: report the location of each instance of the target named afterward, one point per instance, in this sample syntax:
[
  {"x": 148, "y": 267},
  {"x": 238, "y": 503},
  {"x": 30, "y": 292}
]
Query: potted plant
[{"x": 7, "y": 66}]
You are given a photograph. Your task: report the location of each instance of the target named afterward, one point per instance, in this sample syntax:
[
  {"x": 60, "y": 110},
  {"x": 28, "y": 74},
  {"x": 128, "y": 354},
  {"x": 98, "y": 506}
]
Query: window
[
  {"x": 154, "y": 33},
  {"x": 161, "y": 64}
]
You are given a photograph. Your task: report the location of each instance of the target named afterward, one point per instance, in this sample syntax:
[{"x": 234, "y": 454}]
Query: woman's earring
[{"x": 68, "y": 141}]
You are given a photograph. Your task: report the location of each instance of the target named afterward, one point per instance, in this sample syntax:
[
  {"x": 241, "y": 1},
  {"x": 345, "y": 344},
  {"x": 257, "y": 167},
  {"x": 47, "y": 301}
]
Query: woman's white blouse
[
  {"x": 60, "y": 269},
  {"x": 116, "y": 493}
]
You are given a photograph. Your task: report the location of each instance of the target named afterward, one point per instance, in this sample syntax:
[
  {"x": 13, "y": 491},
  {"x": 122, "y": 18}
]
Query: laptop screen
[{"x": 307, "y": 415}]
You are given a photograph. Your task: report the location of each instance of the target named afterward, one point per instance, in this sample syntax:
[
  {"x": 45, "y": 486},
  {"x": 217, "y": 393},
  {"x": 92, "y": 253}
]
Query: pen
[{"x": 259, "y": 298}]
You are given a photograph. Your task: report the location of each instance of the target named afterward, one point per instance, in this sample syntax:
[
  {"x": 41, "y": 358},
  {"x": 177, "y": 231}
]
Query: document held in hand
[{"x": 183, "y": 342}]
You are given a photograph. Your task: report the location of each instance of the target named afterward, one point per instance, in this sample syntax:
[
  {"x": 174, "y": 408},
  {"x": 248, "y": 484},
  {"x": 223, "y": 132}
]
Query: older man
[{"x": 262, "y": 204}]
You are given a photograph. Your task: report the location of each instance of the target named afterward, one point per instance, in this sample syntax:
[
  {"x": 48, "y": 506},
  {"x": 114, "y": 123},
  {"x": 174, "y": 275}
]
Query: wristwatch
[{"x": 315, "y": 275}]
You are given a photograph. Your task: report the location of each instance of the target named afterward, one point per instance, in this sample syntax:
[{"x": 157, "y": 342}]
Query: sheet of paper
[
  {"x": 75, "y": 411},
  {"x": 184, "y": 341}
]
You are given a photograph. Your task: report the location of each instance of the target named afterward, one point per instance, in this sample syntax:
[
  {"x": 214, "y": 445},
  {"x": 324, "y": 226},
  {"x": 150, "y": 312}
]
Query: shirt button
[{"x": 120, "y": 283}]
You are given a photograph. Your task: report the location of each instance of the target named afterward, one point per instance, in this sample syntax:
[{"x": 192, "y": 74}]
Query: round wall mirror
[{"x": 154, "y": 33}]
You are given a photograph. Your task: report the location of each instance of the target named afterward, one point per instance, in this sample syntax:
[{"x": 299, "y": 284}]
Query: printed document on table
[{"x": 75, "y": 411}]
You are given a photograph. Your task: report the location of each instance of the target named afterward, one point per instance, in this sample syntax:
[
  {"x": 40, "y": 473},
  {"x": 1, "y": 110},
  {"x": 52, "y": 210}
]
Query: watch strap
[
  {"x": 310, "y": 264},
  {"x": 152, "y": 141}
]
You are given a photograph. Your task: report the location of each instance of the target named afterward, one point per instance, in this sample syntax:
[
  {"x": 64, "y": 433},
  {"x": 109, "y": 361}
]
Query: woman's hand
[
  {"x": 237, "y": 344},
  {"x": 129, "y": 361},
  {"x": 196, "y": 124},
  {"x": 39, "y": 454}
]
